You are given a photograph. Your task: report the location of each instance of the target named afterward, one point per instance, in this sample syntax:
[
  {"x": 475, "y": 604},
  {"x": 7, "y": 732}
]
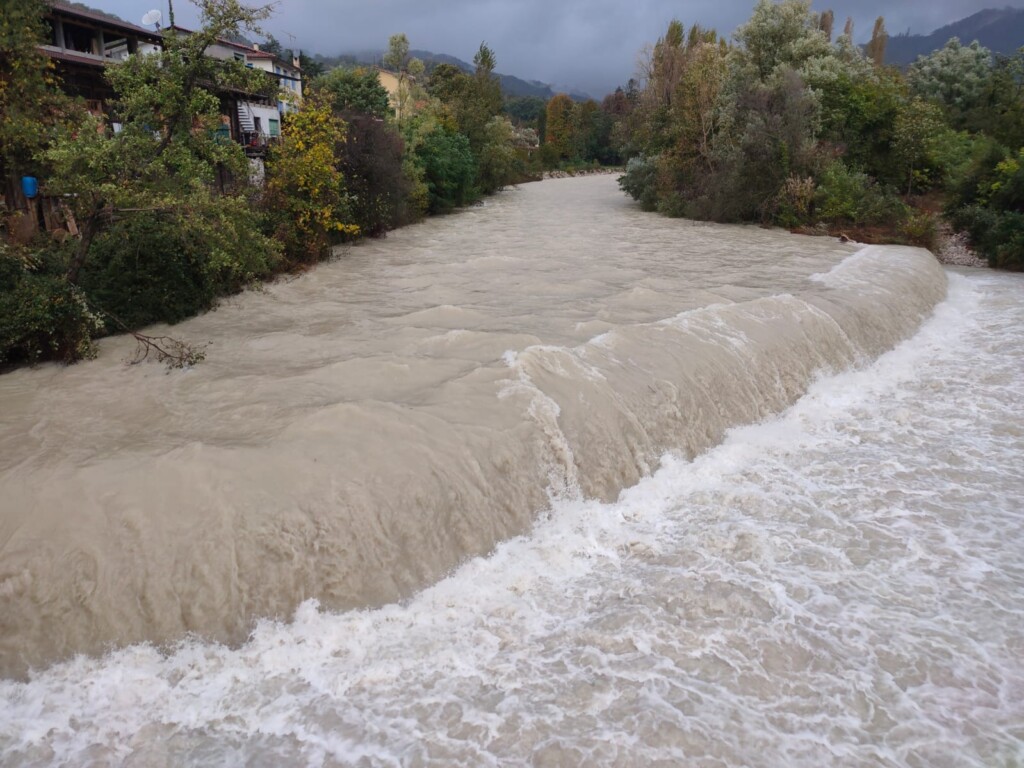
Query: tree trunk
[{"x": 90, "y": 227}]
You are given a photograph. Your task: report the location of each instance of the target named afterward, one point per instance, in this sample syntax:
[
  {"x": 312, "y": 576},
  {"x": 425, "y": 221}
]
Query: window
[{"x": 275, "y": 127}]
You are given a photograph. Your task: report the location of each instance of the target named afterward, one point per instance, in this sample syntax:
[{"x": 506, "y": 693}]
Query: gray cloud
[{"x": 590, "y": 45}]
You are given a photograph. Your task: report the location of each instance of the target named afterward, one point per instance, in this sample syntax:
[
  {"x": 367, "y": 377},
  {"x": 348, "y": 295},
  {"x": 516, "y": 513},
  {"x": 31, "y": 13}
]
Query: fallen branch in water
[
  {"x": 173, "y": 352},
  {"x": 165, "y": 349}
]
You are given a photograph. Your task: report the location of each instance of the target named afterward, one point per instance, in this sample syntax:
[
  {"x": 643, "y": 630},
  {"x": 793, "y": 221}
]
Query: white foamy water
[{"x": 840, "y": 585}]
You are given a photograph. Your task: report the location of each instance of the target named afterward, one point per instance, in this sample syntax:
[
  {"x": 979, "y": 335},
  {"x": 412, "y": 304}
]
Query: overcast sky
[{"x": 589, "y": 45}]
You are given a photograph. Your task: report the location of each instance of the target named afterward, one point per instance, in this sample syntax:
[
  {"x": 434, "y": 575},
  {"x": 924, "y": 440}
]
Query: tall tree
[
  {"x": 826, "y": 23},
  {"x": 405, "y": 67},
  {"x": 879, "y": 40},
  {"x": 559, "y": 132}
]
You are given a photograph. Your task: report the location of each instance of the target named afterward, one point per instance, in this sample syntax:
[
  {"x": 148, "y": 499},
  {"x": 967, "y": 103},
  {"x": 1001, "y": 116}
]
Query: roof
[
  {"x": 100, "y": 19},
  {"x": 252, "y": 53}
]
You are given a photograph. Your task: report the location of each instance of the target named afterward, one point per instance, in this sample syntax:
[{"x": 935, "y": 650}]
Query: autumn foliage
[{"x": 306, "y": 193}]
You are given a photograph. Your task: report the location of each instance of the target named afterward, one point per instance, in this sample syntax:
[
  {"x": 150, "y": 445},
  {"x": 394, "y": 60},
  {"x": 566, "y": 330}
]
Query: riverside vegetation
[
  {"x": 792, "y": 126},
  {"x": 169, "y": 218},
  {"x": 787, "y": 124}
]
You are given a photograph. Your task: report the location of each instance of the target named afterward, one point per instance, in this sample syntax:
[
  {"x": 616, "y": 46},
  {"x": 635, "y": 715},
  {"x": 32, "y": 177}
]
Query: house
[
  {"x": 253, "y": 120},
  {"x": 399, "y": 89},
  {"x": 83, "y": 42}
]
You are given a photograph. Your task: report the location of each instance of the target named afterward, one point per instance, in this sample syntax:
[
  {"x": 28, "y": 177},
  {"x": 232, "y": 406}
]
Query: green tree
[
  {"x": 779, "y": 34},
  {"x": 354, "y": 90},
  {"x": 917, "y": 127},
  {"x": 167, "y": 158},
  {"x": 498, "y": 163},
  {"x": 449, "y": 168},
  {"x": 398, "y": 60},
  {"x": 30, "y": 103},
  {"x": 955, "y": 76}
]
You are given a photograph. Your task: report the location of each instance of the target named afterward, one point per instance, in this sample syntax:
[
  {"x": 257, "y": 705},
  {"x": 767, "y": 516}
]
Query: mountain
[
  {"x": 1000, "y": 29},
  {"x": 510, "y": 84}
]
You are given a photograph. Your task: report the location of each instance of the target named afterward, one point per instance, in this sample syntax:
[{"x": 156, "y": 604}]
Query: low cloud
[{"x": 590, "y": 45}]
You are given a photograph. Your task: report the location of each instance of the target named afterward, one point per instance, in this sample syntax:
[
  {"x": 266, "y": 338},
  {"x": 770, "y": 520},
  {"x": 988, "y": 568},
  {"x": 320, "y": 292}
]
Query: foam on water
[{"x": 841, "y": 585}]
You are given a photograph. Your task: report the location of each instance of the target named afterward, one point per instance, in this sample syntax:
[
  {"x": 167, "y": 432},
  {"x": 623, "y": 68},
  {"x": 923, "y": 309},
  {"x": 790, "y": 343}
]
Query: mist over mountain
[
  {"x": 1000, "y": 29},
  {"x": 510, "y": 84}
]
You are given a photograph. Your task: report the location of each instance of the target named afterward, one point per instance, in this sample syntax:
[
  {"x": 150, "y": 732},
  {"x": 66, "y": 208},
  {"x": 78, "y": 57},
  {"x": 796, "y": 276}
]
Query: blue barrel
[{"x": 30, "y": 186}]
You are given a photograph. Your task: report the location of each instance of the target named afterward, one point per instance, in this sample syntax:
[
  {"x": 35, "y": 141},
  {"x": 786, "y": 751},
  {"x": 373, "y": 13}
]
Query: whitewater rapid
[{"x": 841, "y": 585}]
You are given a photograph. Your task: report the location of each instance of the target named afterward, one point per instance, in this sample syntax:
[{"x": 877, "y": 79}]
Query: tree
[
  {"x": 955, "y": 76},
  {"x": 448, "y": 167},
  {"x": 917, "y": 126},
  {"x": 524, "y": 110},
  {"x": 826, "y": 24},
  {"x": 779, "y": 34},
  {"x": 1000, "y": 111},
  {"x": 354, "y": 91},
  {"x": 31, "y": 105},
  {"x": 271, "y": 45},
  {"x": 167, "y": 156},
  {"x": 405, "y": 67},
  {"x": 559, "y": 133},
  {"x": 376, "y": 186},
  {"x": 879, "y": 40},
  {"x": 306, "y": 189},
  {"x": 697, "y": 106},
  {"x": 498, "y": 163}
]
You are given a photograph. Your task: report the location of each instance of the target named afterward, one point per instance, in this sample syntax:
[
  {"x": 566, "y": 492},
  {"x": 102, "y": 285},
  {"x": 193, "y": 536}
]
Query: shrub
[
  {"x": 847, "y": 196},
  {"x": 998, "y": 235},
  {"x": 499, "y": 164},
  {"x": 42, "y": 316},
  {"x": 794, "y": 204},
  {"x": 641, "y": 181},
  {"x": 921, "y": 228}
]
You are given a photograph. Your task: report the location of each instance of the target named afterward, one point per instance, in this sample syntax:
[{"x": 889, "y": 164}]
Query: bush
[
  {"x": 499, "y": 164},
  {"x": 146, "y": 270},
  {"x": 998, "y": 235},
  {"x": 641, "y": 181},
  {"x": 448, "y": 169},
  {"x": 921, "y": 228},
  {"x": 42, "y": 316},
  {"x": 988, "y": 204},
  {"x": 794, "y": 204},
  {"x": 851, "y": 197}
]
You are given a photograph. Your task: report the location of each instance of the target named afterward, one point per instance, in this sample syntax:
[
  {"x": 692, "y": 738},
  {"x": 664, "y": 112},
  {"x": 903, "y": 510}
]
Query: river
[{"x": 572, "y": 484}]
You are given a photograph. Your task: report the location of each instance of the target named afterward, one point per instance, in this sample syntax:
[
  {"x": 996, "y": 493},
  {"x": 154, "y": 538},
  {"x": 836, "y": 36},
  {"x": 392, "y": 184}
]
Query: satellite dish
[{"x": 152, "y": 17}]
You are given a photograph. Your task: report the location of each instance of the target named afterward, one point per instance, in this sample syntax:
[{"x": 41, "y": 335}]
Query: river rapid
[{"x": 493, "y": 476}]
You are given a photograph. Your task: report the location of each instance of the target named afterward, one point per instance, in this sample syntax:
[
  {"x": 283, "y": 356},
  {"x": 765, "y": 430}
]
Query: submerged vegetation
[{"x": 792, "y": 125}]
